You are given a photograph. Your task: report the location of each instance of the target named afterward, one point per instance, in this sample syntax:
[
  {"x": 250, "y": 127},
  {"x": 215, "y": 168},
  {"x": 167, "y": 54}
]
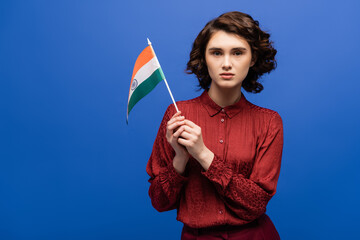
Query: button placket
[
  {"x": 221, "y": 141},
  {"x": 222, "y": 127}
]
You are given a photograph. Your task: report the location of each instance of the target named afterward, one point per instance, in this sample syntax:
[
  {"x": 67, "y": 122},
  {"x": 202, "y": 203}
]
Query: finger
[
  {"x": 186, "y": 135},
  {"x": 183, "y": 129},
  {"x": 174, "y": 119},
  {"x": 195, "y": 129},
  {"x": 189, "y": 129},
  {"x": 178, "y": 132},
  {"x": 176, "y": 114},
  {"x": 183, "y": 142},
  {"x": 175, "y": 125},
  {"x": 190, "y": 123}
]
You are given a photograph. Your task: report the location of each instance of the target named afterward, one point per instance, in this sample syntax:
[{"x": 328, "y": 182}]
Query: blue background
[{"x": 70, "y": 167}]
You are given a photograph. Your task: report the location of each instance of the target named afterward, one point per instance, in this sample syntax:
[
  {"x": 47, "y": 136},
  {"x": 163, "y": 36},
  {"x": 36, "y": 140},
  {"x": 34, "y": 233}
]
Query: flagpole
[{"x": 167, "y": 85}]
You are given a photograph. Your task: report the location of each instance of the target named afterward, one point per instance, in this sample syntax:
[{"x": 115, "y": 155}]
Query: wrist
[
  {"x": 179, "y": 163},
  {"x": 181, "y": 156},
  {"x": 205, "y": 158}
]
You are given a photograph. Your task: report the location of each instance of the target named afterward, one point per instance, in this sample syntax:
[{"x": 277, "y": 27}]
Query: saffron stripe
[{"x": 145, "y": 56}]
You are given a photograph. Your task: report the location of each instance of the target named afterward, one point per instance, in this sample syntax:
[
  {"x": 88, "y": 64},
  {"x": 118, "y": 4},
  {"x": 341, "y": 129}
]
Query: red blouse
[{"x": 247, "y": 141}]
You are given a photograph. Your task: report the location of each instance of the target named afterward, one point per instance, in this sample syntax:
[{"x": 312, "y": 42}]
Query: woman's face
[{"x": 228, "y": 58}]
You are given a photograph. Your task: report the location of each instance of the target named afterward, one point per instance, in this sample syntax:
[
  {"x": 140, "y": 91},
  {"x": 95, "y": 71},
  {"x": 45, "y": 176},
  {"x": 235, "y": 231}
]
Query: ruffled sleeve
[{"x": 165, "y": 182}]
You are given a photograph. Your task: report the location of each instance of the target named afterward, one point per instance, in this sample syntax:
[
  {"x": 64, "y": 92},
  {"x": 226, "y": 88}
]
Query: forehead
[{"x": 222, "y": 39}]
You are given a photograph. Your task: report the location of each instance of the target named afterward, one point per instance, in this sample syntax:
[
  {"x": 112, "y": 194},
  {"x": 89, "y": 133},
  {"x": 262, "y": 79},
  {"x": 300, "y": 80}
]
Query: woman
[{"x": 218, "y": 160}]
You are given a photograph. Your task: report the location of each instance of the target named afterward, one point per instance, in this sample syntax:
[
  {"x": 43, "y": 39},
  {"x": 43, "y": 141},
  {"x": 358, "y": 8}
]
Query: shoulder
[
  {"x": 262, "y": 110},
  {"x": 189, "y": 103},
  {"x": 264, "y": 114}
]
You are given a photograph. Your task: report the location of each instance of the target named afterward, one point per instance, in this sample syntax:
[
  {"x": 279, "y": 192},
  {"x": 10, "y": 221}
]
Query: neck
[{"x": 224, "y": 97}]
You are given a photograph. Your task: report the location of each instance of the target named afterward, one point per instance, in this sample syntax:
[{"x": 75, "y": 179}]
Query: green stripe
[
  {"x": 145, "y": 87},
  {"x": 162, "y": 74}
]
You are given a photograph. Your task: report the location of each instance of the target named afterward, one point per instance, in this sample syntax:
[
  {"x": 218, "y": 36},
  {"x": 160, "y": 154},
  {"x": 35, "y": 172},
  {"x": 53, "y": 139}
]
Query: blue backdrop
[{"x": 70, "y": 167}]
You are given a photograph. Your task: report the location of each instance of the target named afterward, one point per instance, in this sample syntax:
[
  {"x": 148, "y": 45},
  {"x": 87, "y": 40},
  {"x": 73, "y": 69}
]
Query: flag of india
[{"x": 146, "y": 75}]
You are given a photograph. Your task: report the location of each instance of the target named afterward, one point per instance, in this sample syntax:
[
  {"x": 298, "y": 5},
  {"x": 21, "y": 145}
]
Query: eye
[
  {"x": 216, "y": 53},
  {"x": 238, "y": 53}
]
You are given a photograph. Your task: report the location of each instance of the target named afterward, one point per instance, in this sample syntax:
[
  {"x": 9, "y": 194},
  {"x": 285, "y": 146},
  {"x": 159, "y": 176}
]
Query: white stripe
[{"x": 145, "y": 72}]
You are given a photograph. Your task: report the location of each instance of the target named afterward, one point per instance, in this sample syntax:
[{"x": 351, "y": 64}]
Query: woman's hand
[
  {"x": 191, "y": 138},
  {"x": 172, "y": 133}
]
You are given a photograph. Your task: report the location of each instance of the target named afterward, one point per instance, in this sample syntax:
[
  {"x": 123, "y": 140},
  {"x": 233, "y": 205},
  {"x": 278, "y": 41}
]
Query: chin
[{"x": 228, "y": 85}]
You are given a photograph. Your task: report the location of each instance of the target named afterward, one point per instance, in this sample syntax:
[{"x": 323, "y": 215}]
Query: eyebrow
[{"x": 218, "y": 49}]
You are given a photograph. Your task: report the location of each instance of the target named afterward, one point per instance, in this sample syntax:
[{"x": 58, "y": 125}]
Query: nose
[{"x": 226, "y": 63}]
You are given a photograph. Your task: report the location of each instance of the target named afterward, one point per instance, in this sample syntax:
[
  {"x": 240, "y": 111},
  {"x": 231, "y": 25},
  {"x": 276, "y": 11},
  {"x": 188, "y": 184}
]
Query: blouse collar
[{"x": 214, "y": 109}]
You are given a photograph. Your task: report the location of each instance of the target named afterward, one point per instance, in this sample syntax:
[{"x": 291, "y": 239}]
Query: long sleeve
[
  {"x": 247, "y": 142},
  {"x": 165, "y": 182},
  {"x": 247, "y": 197}
]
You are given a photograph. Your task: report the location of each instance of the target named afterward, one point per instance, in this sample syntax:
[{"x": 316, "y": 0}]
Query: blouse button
[
  {"x": 221, "y": 141},
  {"x": 222, "y": 120},
  {"x": 223, "y": 110},
  {"x": 221, "y": 212}
]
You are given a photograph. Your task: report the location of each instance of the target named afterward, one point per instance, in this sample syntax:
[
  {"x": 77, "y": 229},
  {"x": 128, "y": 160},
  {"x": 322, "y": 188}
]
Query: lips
[{"x": 226, "y": 75}]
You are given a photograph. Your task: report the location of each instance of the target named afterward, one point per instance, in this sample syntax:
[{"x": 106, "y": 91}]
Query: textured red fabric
[
  {"x": 247, "y": 141},
  {"x": 259, "y": 229}
]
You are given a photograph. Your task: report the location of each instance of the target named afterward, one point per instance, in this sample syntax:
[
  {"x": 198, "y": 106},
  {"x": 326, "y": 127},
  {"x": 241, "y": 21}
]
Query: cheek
[
  {"x": 213, "y": 63},
  {"x": 213, "y": 70},
  {"x": 245, "y": 64},
  {"x": 210, "y": 66}
]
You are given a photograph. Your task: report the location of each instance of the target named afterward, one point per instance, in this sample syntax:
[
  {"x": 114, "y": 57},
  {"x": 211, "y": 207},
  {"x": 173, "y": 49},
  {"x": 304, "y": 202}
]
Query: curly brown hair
[{"x": 246, "y": 27}]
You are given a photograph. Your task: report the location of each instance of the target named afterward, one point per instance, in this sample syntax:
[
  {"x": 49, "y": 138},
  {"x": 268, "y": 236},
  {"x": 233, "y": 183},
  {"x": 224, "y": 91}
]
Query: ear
[{"x": 253, "y": 61}]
